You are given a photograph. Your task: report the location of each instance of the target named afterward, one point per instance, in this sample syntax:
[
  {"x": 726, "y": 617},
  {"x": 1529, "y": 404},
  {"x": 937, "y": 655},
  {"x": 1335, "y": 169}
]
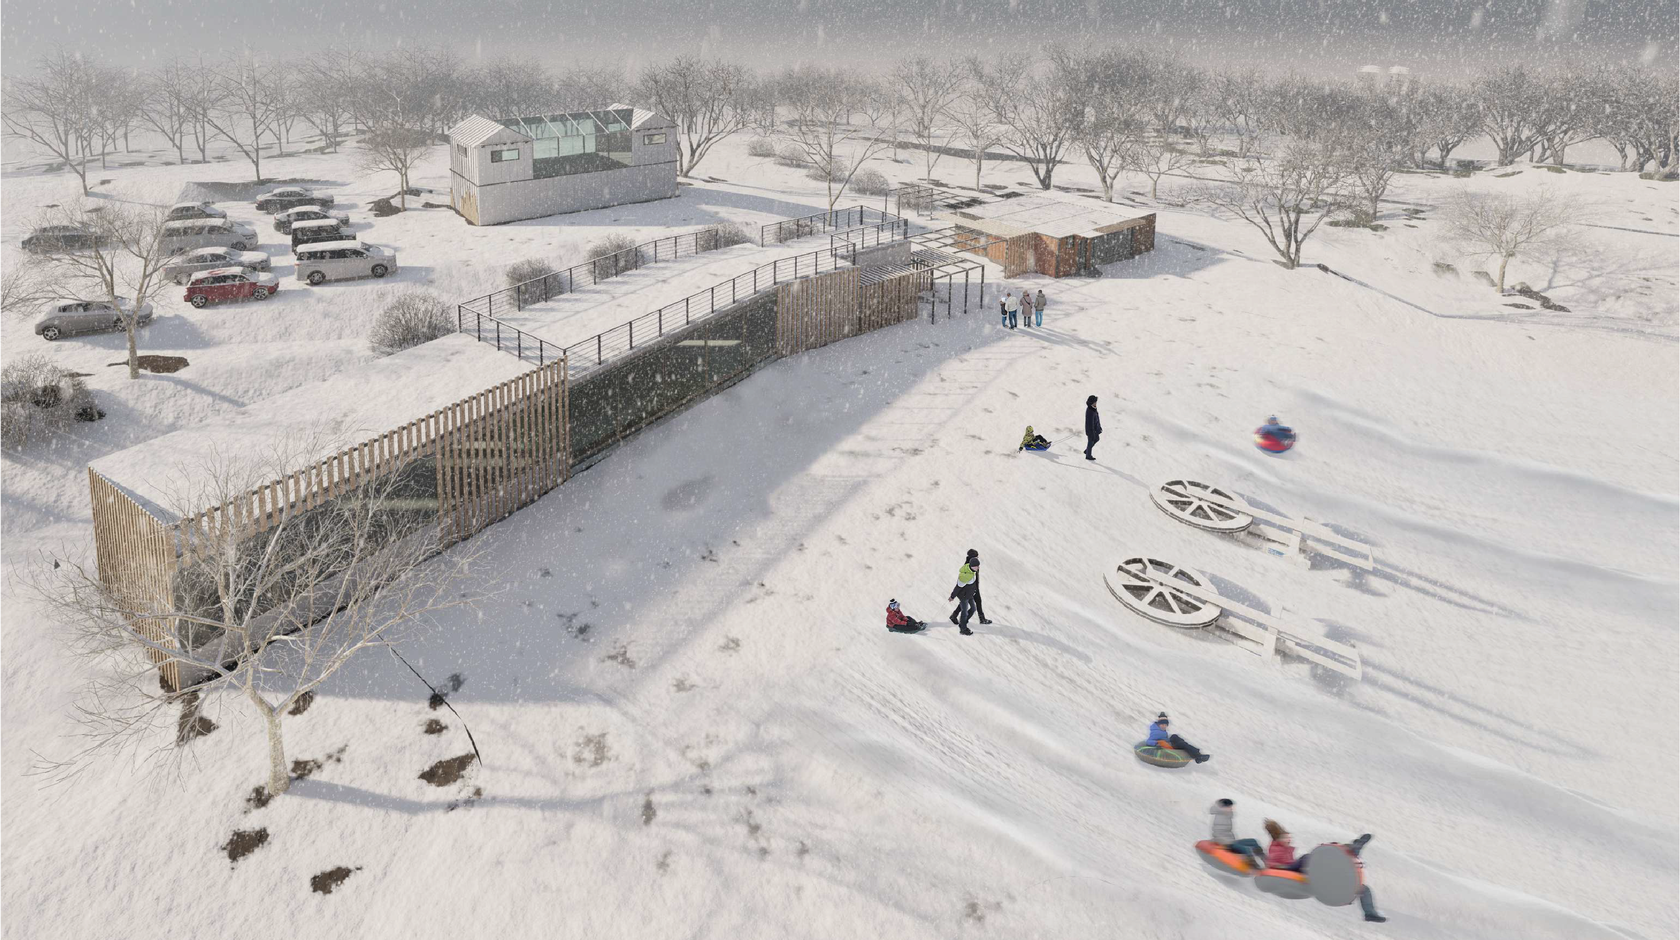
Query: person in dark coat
[
  {"x": 973, "y": 559},
  {"x": 1093, "y": 426}
]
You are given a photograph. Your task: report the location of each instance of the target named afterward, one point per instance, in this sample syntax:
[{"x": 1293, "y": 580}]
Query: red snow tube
[
  {"x": 1274, "y": 439},
  {"x": 1223, "y": 860}
]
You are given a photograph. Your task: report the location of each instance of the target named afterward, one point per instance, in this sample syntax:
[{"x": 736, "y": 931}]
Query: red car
[{"x": 230, "y": 284}]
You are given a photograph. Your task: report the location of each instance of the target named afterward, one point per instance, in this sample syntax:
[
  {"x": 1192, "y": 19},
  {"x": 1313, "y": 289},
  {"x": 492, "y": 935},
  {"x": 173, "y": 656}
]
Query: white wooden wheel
[
  {"x": 1137, "y": 584},
  {"x": 1187, "y": 501}
]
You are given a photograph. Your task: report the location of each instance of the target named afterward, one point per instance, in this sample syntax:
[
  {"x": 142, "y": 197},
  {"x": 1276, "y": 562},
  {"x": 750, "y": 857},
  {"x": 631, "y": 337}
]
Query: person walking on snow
[
  {"x": 1003, "y": 309},
  {"x": 1012, "y": 304},
  {"x": 1093, "y": 426},
  {"x": 1038, "y": 309},
  {"x": 1224, "y": 833},
  {"x": 1280, "y": 855},
  {"x": 968, "y": 577},
  {"x": 1158, "y": 737}
]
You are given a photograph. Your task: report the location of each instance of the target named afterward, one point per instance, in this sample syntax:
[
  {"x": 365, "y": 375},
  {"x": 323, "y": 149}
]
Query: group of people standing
[{"x": 1013, "y": 309}]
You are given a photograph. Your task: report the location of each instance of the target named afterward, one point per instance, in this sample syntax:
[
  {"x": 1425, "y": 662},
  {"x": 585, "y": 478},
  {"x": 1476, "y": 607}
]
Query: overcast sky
[{"x": 1443, "y": 37}]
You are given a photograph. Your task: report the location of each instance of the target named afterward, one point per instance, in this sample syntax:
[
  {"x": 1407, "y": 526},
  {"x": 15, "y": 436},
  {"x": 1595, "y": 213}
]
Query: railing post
[
  {"x": 661, "y": 321},
  {"x": 498, "y": 334},
  {"x": 632, "y": 326},
  {"x": 598, "y": 359}
]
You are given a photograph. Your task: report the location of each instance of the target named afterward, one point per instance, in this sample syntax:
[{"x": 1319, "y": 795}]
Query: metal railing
[
  {"x": 775, "y": 233},
  {"x": 549, "y": 286},
  {"x": 596, "y": 351},
  {"x": 505, "y": 336},
  {"x": 869, "y": 236}
]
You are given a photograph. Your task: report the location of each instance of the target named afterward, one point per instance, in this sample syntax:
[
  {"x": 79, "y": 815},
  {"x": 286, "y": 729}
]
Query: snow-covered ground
[{"x": 693, "y": 723}]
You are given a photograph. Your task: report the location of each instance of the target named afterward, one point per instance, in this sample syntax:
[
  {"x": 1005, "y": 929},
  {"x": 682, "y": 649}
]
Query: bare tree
[
  {"x": 123, "y": 265},
  {"x": 1506, "y": 225},
  {"x": 1155, "y": 156},
  {"x": 1041, "y": 113},
  {"x": 249, "y": 106},
  {"x": 54, "y": 109},
  {"x": 707, "y": 99},
  {"x": 265, "y": 615},
  {"x": 164, "y": 106},
  {"x": 517, "y": 88},
  {"x": 1286, "y": 197},
  {"x": 823, "y": 103},
  {"x": 1511, "y": 102},
  {"x": 1116, "y": 116},
  {"x": 1446, "y": 118},
  {"x": 881, "y": 105},
  {"x": 396, "y": 149},
  {"x": 322, "y": 95},
  {"x": 24, "y": 286},
  {"x": 926, "y": 88},
  {"x": 973, "y": 117}
]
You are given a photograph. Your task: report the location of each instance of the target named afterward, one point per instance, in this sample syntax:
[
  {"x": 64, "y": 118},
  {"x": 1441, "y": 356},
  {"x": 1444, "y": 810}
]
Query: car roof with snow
[
  {"x": 193, "y": 204},
  {"x": 290, "y": 191},
  {"x": 216, "y": 272},
  {"x": 179, "y": 224},
  {"x": 332, "y": 246},
  {"x": 314, "y": 223}
]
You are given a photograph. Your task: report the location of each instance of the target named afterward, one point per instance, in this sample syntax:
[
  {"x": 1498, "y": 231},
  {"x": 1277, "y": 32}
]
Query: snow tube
[
  {"x": 1223, "y": 860},
  {"x": 1337, "y": 875},
  {"x": 1274, "y": 438},
  {"x": 1031, "y": 447},
  {"x": 1160, "y": 756},
  {"x": 1291, "y": 885}
]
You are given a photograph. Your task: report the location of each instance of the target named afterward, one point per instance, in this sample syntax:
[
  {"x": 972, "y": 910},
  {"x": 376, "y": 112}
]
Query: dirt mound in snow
[{"x": 445, "y": 772}]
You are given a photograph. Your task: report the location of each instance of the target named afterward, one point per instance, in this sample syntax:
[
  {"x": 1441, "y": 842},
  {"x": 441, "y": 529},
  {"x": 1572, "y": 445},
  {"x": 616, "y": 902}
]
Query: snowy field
[{"x": 694, "y": 725}]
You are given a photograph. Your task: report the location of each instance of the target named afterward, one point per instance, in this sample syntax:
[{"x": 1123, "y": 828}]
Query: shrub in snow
[
  {"x": 532, "y": 278},
  {"x": 762, "y": 147},
  {"x": 792, "y": 155},
  {"x": 830, "y": 171},
  {"x": 415, "y": 317},
  {"x": 721, "y": 236},
  {"x": 39, "y": 399},
  {"x": 870, "y": 183},
  {"x": 613, "y": 255}
]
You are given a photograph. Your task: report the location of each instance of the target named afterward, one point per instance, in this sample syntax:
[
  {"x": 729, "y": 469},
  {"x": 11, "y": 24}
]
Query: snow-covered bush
[
  {"x": 39, "y": 399},
  {"x": 870, "y": 183},
  {"x": 762, "y": 147},
  {"x": 526, "y": 276},
  {"x": 613, "y": 255},
  {"x": 725, "y": 235},
  {"x": 792, "y": 155},
  {"x": 415, "y": 317},
  {"x": 831, "y": 171}
]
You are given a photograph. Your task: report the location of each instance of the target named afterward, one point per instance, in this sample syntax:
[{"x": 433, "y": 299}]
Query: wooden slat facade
[
  {"x": 136, "y": 561},
  {"x": 893, "y": 300},
  {"x": 816, "y": 311}
]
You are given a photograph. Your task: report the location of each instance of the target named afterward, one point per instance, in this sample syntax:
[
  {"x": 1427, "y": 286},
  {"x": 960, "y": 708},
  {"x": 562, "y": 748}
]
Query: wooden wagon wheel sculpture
[
  {"x": 1187, "y": 501},
  {"x": 1138, "y": 584}
]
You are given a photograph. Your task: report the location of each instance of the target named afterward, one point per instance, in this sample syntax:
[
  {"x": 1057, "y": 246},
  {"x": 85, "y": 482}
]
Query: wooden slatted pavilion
[{"x": 471, "y": 457}]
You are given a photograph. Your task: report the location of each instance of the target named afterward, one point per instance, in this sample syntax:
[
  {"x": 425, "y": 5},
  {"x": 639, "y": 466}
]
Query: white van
[
  {"x": 337, "y": 261},
  {"x": 207, "y": 233}
]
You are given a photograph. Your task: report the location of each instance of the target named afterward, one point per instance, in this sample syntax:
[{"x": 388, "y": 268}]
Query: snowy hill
[{"x": 694, "y": 725}]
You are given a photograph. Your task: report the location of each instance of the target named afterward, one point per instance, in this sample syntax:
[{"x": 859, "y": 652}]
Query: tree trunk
[
  {"x": 1503, "y": 261},
  {"x": 1154, "y": 184},
  {"x": 279, "y": 780},
  {"x": 133, "y": 347},
  {"x": 979, "y": 163}
]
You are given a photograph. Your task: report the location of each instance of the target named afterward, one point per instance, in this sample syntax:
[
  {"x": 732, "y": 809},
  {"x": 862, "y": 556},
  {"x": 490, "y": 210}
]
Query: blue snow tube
[{"x": 1274, "y": 438}]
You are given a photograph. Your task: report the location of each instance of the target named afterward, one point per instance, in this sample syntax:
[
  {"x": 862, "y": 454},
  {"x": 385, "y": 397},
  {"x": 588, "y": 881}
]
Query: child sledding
[
  {"x": 1031, "y": 441},
  {"x": 897, "y": 622}
]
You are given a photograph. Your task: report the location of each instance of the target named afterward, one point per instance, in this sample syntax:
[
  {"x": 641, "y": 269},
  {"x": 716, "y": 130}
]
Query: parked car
[
  {"x": 341, "y": 260},
  {"x": 290, "y": 197},
  {"x": 317, "y": 230},
  {"x": 207, "y": 233},
  {"x": 182, "y": 211},
  {"x": 283, "y": 220},
  {"x": 64, "y": 317},
  {"x": 186, "y": 265},
  {"x": 230, "y": 284},
  {"x": 59, "y": 238}
]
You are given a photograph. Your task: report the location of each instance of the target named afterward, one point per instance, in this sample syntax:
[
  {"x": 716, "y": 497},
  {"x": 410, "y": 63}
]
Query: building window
[
  {"x": 461, "y": 151},
  {"x": 651, "y": 139},
  {"x": 504, "y": 156}
]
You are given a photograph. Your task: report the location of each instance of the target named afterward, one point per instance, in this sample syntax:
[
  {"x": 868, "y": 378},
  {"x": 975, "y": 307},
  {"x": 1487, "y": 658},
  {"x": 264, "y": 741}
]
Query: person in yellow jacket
[
  {"x": 1033, "y": 441},
  {"x": 967, "y": 592}
]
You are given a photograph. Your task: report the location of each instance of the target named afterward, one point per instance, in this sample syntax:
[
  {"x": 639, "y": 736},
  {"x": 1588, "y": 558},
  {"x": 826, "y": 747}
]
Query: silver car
[
  {"x": 65, "y": 317},
  {"x": 207, "y": 233},
  {"x": 185, "y": 266},
  {"x": 283, "y": 220},
  {"x": 183, "y": 211},
  {"x": 334, "y": 261}
]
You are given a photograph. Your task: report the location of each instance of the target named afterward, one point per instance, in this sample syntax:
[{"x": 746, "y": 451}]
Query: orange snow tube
[
  {"x": 1285, "y": 884},
  {"x": 1223, "y": 860}
]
